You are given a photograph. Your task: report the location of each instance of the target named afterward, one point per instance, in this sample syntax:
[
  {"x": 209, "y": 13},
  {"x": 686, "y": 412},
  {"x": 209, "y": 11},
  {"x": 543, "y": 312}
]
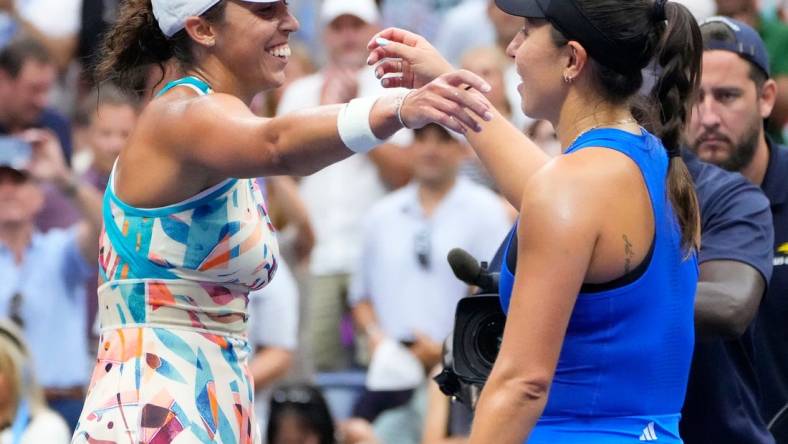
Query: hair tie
[
  {"x": 673, "y": 152},
  {"x": 659, "y": 11}
]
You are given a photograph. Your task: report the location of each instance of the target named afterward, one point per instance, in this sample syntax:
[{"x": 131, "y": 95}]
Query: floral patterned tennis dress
[{"x": 171, "y": 364}]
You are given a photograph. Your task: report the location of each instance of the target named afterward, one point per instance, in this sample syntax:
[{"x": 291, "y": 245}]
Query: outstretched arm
[
  {"x": 408, "y": 60},
  {"x": 300, "y": 143}
]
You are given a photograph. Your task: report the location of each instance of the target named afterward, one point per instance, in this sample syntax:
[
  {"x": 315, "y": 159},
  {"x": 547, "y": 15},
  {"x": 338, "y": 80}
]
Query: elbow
[
  {"x": 738, "y": 323},
  {"x": 523, "y": 391},
  {"x": 530, "y": 390},
  {"x": 733, "y": 318}
]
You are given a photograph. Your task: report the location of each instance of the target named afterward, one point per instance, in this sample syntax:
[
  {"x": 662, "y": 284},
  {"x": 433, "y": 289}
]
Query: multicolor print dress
[{"x": 174, "y": 282}]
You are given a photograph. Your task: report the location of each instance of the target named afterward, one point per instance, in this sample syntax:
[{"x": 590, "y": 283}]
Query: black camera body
[{"x": 471, "y": 350}]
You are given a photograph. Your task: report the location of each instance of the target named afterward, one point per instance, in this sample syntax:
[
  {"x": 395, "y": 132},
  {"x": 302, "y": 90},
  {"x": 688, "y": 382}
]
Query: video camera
[{"x": 470, "y": 351}]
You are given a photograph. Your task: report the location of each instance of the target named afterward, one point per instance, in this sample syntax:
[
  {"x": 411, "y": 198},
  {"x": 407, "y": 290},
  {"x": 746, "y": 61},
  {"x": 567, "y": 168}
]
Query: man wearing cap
[
  {"x": 42, "y": 275},
  {"x": 727, "y": 129},
  {"x": 334, "y": 210}
]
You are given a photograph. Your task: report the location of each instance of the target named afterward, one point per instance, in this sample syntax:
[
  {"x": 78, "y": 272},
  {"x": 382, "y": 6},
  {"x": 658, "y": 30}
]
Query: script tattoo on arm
[{"x": 628, "y": 253}]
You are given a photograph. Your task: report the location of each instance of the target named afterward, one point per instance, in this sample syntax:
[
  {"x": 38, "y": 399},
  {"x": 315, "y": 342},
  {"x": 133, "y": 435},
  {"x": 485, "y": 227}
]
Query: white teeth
[{"x": 280, "y": 51}]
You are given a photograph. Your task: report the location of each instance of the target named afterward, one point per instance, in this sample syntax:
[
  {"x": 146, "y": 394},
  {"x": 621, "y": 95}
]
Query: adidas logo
[{"x": 648, "y": 433}]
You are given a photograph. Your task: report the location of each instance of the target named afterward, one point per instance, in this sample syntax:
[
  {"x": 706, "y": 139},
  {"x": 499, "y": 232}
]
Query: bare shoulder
[
  {"x": 580, "y": 185},
  {"x": 182, "y": 122},
  {"x": 185, "y": 109}
]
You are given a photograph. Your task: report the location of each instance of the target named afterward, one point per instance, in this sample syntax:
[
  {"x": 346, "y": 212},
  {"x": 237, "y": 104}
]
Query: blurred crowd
[{"x": 350, "y": 331}]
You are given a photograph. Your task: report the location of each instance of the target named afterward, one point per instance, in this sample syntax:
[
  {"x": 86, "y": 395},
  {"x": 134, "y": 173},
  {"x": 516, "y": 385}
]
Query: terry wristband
[{"x": 353, "y": 125}]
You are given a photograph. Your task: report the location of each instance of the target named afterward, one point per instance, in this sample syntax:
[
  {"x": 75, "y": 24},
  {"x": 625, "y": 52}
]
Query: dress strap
[{"x": 192, "y": 82}]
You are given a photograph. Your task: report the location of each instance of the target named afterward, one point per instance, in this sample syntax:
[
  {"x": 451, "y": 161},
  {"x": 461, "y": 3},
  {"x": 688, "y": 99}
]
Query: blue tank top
[{"x": 624, "y": 364}]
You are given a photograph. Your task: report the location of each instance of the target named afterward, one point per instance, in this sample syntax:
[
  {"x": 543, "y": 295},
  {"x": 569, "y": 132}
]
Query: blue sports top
[{"x": 624, "y": 364}]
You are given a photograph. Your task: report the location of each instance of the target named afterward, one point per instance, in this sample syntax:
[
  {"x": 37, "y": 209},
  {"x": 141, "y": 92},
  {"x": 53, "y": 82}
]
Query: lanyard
[{"x": 20, "y": 421}]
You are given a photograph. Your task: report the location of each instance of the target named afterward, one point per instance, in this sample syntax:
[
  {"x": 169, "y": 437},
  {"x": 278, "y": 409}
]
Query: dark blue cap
[
  {"x": 624, "y": 56},
  {"x": 747, "y": 43}
]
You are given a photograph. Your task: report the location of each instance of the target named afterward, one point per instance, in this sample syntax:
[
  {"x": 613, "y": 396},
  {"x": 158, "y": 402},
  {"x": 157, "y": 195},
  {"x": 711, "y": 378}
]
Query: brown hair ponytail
[{"x": 679, "y": 55}]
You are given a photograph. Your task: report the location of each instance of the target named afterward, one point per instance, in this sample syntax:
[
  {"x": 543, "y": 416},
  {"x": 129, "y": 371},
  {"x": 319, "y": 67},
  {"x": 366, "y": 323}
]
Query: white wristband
[{"x": 353, "y": 125}]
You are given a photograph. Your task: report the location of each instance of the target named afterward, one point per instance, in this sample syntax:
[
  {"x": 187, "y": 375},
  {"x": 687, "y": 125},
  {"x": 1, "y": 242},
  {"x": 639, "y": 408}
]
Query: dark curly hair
[{"x": 136, "y": 43}]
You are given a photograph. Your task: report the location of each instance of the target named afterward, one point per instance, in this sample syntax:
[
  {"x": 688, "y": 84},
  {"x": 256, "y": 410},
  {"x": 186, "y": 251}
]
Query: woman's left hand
[{"x": 405, "y": 59}]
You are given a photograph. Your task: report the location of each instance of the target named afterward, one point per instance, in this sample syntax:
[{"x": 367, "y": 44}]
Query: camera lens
[{"x": 488, "y": 339}]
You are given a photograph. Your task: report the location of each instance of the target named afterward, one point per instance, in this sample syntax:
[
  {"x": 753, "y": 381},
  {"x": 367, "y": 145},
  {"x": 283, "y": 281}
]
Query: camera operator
[{"x": 404, "y": 290}]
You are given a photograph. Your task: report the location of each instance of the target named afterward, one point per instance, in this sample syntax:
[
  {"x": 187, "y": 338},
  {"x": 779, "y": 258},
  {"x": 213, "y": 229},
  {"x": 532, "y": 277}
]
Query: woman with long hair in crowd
[
  {"x": 24, "y": 415},
  {"x": 600, "y": 274},
  {"x": 187, "y": 234}
]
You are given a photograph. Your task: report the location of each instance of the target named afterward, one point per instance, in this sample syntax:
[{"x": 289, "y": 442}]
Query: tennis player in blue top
[{"x": 601, "y": 272}]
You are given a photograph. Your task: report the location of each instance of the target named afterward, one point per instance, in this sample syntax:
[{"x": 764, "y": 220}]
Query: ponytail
[{"x": 679, "y": 56}]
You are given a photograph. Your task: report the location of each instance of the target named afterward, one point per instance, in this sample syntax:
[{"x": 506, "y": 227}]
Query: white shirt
[
  {"x": 466, "y": 26},
  {"x": 51, "y": 282},
  {"x": 45, "y": 427},
  {"x": 55, "y": 18},
  {"x": 405, "y": 296},
  {"x": 338, "y": 196},
  {"x": 273, "y": 322}
]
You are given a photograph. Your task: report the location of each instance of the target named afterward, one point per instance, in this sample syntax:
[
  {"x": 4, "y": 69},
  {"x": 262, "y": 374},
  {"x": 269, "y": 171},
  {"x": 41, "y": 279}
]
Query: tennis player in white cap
[{"x": 187, "y": 234}]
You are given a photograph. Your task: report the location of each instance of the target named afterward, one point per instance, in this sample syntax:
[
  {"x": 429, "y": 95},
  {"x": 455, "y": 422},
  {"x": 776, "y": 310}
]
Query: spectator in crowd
[
  {"x": 446, "y": 421},
  {"x": 24, "y": 415},
  {"x": 727, "y": 129},
  {"x": 106, "y": 118},
  {"x": 404, "y": 289},
  {"x": 42, "y": 275},
  {"x": 543, "y": 134},
  {"x": 774, "y": 33},
  {"x": 300, "y": 415},
  {"x": 27, "y": 75},
  {"x": 335, "y": 213},
  {"x": 273, "y": 333},
  {"x": 723, "y": 395},
  {"x": 54, "y": 23},
  {"x": 96, "y": 18},
  {"x": 423, "y": 17},
  {"x": 109, "y": 115},
  {"x": 491, "y": 27},
  {"x": 491, "y": 63}
]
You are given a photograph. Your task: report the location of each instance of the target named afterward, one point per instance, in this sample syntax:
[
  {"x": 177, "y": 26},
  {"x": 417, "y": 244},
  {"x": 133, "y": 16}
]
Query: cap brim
[{"x": 522, "y": 8}]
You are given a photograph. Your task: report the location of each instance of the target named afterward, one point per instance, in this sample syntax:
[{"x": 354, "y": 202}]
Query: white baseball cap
[
  {"x": 366, "y": 10},
  {"x": 172, "y": 14}
]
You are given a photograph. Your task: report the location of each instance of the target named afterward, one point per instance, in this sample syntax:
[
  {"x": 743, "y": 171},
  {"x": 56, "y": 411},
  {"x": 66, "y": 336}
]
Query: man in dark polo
[{"x": 726, "y": 129}]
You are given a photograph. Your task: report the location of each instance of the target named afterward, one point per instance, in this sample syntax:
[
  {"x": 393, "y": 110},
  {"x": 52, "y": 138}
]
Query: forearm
[
  {"x": 365, "y": 318},
  {"x": 307, "y": 141},
  {"x": 89, "y": 203},
  {"x": 507, "y": 412},
  {"x": 717, "y": 313},
  {"x": 269, "y": 365},
  {"x": 510, "y": 156}
]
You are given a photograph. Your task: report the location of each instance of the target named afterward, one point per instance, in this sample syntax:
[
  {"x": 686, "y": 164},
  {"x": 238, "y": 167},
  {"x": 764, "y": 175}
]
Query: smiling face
[
  {"x": 727, "y": 121},
  {"x": 252, "y": 41},
  {"x": 540, "y": 64}
]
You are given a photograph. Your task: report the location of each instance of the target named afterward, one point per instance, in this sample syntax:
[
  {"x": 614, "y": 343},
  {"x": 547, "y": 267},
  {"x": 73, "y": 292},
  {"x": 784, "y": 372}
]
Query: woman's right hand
[
  {"x": 407, "y": 60},
  {"x": 449, "y": 100}
]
